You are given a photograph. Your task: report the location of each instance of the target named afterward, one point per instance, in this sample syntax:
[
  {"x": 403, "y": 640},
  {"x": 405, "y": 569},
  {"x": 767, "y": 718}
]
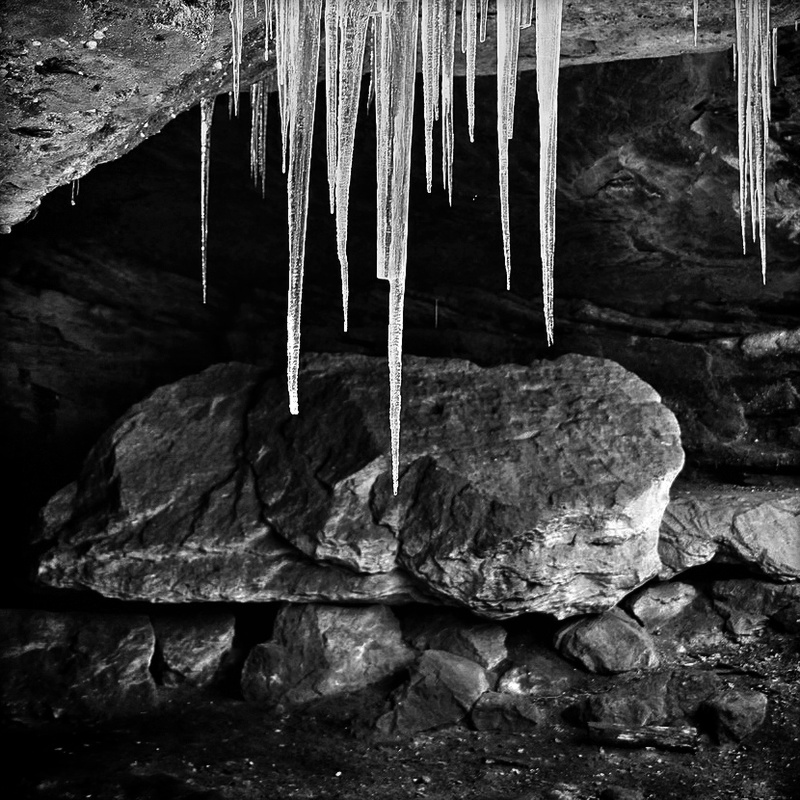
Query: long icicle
[
  {"x": 206, "y": 114},
  {"x": 469, "y": 39},
  {"x": 447, "y": 32},
  {"x": 331, "y": 92},
  {"x": 753, "y": 66},
  {"x": 431, "y": 69},
  {"x": 282, "y": 60},
  {"x": 259, "y": 103},
  {"x": 353, "y": 20},
  {"x": 548, "y": 55},
  {"x": 507, "y": 52},
  {"x": 397, "y": 54},
  {"x": 302, "y": 44},
  {"x": 236, "y": 16}
]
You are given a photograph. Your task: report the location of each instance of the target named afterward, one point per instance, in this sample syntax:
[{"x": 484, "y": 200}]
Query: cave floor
[{"x": 217, "y": 747}]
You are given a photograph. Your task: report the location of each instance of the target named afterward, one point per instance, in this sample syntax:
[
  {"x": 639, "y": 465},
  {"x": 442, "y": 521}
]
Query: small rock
[
  {"x": 749, "y": 606},
  {"x": 657, "y": 605},
  {"x": 90, "y": 45},
  {"x": 98, "y": 35},
  {"x": 193, "y": 645},
  {"x": 504, "y": 712},
  {"x": 734, "y": 714},
  {"x": 481, "y": 642},
  {"x": 442, "y": 690},
  {"x": 634, "y": 704},
  {"x": 321, "y": 651},
  {"x": 526, "y": 681},
  {"x": 609, "y": 643}
]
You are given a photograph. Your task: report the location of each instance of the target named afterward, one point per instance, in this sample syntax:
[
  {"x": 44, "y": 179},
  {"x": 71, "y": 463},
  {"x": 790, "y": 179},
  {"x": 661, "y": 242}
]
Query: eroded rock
[
  {"x": 735, "y": 713},
  {"x": 55, "y": 664},
  {"x": 481, "y": 642},
  {"x": 193, "y": 645},
  {"x": 441, "y": 691},
  {"x": 495, "y": 711},
  {"x": 657, "y": 605},
  {"x": 758, "y": 528},
  {"x": 609, "y": 643},
  {"x": 322, "y": 651},
  {"x": 534, "y": 488}
]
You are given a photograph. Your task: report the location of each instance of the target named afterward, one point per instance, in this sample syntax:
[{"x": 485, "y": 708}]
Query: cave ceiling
[{"x": 84, "y": 81}]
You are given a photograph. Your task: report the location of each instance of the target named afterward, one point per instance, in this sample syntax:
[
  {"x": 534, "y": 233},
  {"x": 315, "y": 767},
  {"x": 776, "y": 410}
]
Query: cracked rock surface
[{"x": 522, "y": 489}]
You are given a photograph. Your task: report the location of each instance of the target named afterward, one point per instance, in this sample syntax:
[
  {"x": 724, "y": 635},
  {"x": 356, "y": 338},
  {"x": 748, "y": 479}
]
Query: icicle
[
  {"x": 354, "y": 16},
  {"x": 548, "y": 55},
  {"x": 431, "y": 69},
  {"x": 371, "y": 43},
  {"x": 484, "y": 18},
  {"x": 526, "y": 14},
  {"x": 382, "y": 78},
  {"x": 259, "y": 103},
  {"x": 507, "y": 52},
  {"x": 331, "y": 89},
  {"x": 752, "y": 77},
  {"x": 206, "y": 114},
  {"x": 237, "y": 28},
  {"x": 695, "y": 18},
  {"x": 282, "y": 63},
  {"x": 447, "y": 28},
  {"x": 267, "y": 27},
  {"x": 300, "y": 46},
  {"x": 469, "y": 36},
  {"x": 774, "y": 56},
  {"x": 75, "y": 188},
  {"x": 396, "y": 59}
]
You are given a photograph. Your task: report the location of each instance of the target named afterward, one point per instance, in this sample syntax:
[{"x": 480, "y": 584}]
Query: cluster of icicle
[
  {"x": 386, "y": 32},
  {"x": 753, "y": 65}
]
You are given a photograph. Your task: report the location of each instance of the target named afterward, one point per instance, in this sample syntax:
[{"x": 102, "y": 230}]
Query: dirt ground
[{"x": 216, "y": 747}]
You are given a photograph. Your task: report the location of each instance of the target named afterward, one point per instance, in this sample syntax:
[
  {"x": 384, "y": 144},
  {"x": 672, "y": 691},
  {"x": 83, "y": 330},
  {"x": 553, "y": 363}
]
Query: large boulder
[
  {"x": 760, "y": 529},
  {"x": 535, "y": 488},
  {"x": 55, "y": 664},
  {"x": 321, "y": 651}
]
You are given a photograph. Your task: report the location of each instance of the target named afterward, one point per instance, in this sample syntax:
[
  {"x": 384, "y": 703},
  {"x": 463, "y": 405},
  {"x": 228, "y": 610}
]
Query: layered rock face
[{"x": 522, "y": 489}]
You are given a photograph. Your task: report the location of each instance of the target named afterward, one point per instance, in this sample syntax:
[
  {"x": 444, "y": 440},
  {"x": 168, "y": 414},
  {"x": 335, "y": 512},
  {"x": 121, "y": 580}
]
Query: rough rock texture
[
  {"x": 495, "y": 711},
  {"x": 662, "y": 698},
  {"x": 529, "y": 681},
  {"x": 168, "y": 508},
  {"x": 483, "y": 643},
  {"x": 609, "y": 643},
  {"x": 522, "y": 489},
  {"x": 322, "y": 651},
  {"x": 55, "y": 664},
  {"x": 758, "y": 528},
  {"x": 749, "y": 606},
  {"x": 659, "y": 604},
  {"x": 192, "y": 645},
  {"x": 86, "y": 83},
  {"x": 441, "y": 691},
  {"x": 735, "y": 713}
]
